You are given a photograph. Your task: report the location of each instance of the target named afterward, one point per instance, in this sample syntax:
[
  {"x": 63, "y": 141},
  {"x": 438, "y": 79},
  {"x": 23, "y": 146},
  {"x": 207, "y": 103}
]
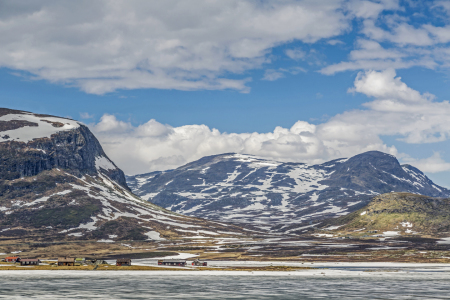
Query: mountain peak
[{"x": 276, "y": 195}]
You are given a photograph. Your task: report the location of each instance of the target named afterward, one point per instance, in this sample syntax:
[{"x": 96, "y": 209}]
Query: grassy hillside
[{"x": 402, "y": 212}]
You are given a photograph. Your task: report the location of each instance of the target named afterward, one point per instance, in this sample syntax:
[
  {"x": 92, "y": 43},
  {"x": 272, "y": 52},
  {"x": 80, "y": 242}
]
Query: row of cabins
[
  {"x": 71, "y": 261},
  {"x": 181, "y": 262},
  {"x": 23, "y": 261}
]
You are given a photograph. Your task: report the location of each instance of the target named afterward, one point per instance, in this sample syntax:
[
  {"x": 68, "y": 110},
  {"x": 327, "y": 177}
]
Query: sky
[{"x": 163, "y": 83}]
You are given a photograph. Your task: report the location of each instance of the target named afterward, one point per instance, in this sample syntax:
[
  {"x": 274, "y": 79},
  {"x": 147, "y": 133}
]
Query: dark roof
[
  {"x": 123, "y": 260},
  {"x": 66, "y": 259},
  {"x": 174, "y": 260},
  {"x": 29, "y": 259}
]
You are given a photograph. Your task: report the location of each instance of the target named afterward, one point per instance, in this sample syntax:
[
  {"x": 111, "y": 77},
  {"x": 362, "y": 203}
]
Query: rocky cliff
[{"x": 56, "y": 183}]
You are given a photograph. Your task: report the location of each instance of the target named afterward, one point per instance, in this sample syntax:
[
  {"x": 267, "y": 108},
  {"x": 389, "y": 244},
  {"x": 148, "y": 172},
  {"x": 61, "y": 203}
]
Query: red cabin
[{"x": 12, "y": 259}]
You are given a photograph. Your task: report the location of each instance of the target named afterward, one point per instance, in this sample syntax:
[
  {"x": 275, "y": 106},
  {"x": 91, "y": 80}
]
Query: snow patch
[{"x": 104, "y": 163}]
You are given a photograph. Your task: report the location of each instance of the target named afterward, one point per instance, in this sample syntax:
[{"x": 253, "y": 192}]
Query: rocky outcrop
[{"x": 75, "y": 150}]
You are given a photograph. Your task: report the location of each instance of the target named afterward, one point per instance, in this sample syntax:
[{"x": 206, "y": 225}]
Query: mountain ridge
[{"x": 279, "y": 196}]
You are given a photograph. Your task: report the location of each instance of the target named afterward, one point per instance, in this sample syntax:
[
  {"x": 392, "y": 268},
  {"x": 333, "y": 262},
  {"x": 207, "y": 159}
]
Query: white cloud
[
  {"x": 335, "y": 42},
  {"x": 432, "y": 164},
  {"x": 101, "y": 46},
  {"x": 370, "y": 55},
  {"x": 272, "y": 75},
  {"x": 384, "y": 85},
  {"x": 85, "y": 115},
  {"x": 396, "y": 110},
  {"x": 370, "y": 9},
  {"x": 295, "y": 54}
]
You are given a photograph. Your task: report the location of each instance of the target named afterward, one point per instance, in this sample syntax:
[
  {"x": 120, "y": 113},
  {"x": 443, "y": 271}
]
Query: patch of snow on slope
[
  {"x": 153, "y": 235},
  {"x": 437, "y": 188},
  {"x": 44, "y": 199},
  {"x": 307, "y": 179},
  {"x": 406, "y": 224},
  {"x": 104, "y": 163},
  {"x": 44, "y": 129}
]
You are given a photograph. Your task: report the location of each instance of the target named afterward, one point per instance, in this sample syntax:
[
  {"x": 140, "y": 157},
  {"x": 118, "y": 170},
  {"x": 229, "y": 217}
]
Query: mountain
[
  {"x": 397, "y": 213},
  {"x": 57, "y": 183},
  {"x": 276, "y": 196}
]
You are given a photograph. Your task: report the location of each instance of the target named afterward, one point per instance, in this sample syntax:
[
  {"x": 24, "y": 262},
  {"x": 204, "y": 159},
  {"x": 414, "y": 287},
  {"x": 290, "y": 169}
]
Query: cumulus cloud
[
  {"x": 432, "y": 164},
  {"x": 395, "y": 110},
  {"x": 101, "y": 46}
]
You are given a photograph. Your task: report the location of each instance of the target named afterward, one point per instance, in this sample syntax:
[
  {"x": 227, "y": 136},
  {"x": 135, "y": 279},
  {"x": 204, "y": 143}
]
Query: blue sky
[{"x": 162, "y": 84}]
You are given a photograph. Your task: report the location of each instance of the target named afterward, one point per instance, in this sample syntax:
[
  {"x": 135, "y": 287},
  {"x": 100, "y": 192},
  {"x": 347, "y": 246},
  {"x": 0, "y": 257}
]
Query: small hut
[
  {"x": 172, "y": 262},
  {"x": 123, "y": 262},
  {"x": 66, "y": 261},
  {"x": 80, "y": 261},
  {"x": 30, "y": 262},
  {"x": 12, "y": 259},
  {"x": 199, "y": 263}
]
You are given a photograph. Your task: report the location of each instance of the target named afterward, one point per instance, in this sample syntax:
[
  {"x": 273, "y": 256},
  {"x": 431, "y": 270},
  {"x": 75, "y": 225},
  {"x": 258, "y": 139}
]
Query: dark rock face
[
  {"x": 73, "y": 150},
  {"x": 285, "y": 197},
  {"x": 56, "y": 183}
]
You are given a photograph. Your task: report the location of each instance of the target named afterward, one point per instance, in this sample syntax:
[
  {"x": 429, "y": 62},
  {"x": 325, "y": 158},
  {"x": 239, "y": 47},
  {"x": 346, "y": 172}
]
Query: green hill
[{"x": 403, "y": 213}]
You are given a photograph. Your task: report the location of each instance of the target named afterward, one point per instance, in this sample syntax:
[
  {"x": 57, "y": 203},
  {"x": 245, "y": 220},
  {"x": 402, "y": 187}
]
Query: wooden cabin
[
  {"x": 172, "y": 262},
  {"x": 66, "y": 261},
  {"x": 12, "y": 259},
  {"x": 30, "y": 262},
  {"x": 199, "y": 263},
  {"x": 123, "y": 262}
]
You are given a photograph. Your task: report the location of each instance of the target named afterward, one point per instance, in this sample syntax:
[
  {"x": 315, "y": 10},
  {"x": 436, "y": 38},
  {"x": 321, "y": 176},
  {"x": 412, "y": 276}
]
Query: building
[
  {"x": 199, "y": 263},
  {"x": 80, "y": 261},
  {"x": 66, "y": 261},
  {"x": 172, "y": 262},
  {"x": 30, "y": 262},
  {"x": 123, "y": 262},
  {"x": 12, "y": 259}
]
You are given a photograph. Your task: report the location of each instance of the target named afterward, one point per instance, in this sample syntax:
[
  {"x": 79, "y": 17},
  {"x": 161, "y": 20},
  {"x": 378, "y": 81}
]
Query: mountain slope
[
  {"x": 286, "y": 197},
  {"x": 57, "y": 183},
  {"x": 398, "y": 213}
]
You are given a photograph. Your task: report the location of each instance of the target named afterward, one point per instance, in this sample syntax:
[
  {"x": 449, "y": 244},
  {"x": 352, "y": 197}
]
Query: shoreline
[{"x": 242, "y": 266}]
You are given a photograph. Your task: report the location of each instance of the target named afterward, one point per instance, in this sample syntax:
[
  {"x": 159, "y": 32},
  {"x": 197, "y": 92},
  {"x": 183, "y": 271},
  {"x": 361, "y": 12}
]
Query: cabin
[
  {"x": 172, "y": 262},
  {"x": 199, "y": 263},
  {"x": 80, "y": 261},
  {"x": 123, "y": 262},
  {"x": 30, "y": 262},
  {"x": 66, "y": 261},
  {"x": 12, "y": 259}
]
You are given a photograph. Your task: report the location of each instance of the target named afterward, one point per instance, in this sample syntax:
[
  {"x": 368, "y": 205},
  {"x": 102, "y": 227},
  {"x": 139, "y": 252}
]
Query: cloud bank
[
  {"x": 395, "y": 110},
  {"x": 102, "y": 46}
]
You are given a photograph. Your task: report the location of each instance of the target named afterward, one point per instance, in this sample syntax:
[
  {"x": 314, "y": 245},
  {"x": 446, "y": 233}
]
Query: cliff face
[
  {"x": 56, "y": 183},
  {"x": 74, "y": 149}
]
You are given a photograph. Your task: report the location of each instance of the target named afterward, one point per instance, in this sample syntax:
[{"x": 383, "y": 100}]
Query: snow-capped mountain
[
  {"x": 57, "y": 183},
  {"x": 285, "y": 197}
]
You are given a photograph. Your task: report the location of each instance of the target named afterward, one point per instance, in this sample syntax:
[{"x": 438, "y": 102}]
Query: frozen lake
[{"x": 353, "y": 283}]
